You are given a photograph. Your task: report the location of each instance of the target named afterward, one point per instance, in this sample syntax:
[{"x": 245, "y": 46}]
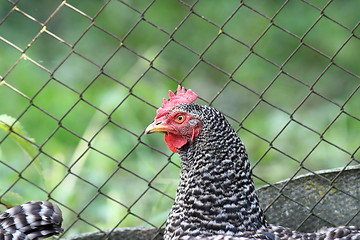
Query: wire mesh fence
[{"x": 80, "y": 81}]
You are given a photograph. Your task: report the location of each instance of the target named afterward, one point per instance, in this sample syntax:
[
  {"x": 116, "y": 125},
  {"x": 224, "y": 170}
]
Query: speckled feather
[
  {"x": 32, "y": 220},
  {"x": 216, "y": 198}
]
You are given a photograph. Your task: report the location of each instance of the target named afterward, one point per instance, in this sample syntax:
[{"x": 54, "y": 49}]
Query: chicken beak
[{"x": 156, "y": 127}]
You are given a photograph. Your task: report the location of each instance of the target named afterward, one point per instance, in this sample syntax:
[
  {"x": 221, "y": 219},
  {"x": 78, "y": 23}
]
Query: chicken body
[
  {"x": 32, "y": 220},
  {"x": 216, "y": 198},
  {"x": 216, "y": 189}
]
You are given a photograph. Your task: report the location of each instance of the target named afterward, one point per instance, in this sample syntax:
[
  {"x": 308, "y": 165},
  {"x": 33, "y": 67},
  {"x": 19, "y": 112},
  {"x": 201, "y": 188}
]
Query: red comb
[{"x": 182, "y": 96}]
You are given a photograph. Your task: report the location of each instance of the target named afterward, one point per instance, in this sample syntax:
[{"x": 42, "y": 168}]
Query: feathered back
[{"x": 31, "y": 220}]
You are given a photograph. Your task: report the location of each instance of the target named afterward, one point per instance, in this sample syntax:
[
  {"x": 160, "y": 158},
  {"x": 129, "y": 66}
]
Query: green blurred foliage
[{"x": 88, "y": 84}]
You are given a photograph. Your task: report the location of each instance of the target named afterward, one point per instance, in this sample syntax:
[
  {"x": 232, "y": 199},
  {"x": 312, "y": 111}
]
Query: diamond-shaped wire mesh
[{"x": 80, "y": 81}]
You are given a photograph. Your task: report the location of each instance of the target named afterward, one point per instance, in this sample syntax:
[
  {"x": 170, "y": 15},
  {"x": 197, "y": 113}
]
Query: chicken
[
  {"x": 32, "y": 220},
  {"x": 216, "y": 197}
]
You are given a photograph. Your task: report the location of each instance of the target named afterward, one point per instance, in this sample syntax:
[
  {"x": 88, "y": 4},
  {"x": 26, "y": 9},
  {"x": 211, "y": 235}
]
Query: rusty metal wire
[{"x": 260, "y": 63}]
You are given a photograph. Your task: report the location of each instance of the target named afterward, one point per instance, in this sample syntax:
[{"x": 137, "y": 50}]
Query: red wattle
[{"x": 174, "y": 142}]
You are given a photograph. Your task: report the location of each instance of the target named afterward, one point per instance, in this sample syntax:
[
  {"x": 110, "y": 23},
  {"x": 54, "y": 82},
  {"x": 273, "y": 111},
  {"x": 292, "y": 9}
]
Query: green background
[{"x": 84, "y": 79}]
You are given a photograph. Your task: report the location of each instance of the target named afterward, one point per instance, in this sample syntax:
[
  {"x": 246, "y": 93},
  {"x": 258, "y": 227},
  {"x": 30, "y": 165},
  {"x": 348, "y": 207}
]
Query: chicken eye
[{"x": 180, "y": 118}]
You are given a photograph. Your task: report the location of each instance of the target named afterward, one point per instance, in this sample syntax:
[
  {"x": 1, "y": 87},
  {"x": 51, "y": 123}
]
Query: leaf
[
  {"x": 18, "y": 134},
  {"x": 11, "y": 199}
]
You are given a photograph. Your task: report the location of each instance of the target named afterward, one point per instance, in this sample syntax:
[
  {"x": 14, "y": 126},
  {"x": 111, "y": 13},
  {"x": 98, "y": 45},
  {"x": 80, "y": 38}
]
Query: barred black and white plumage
[
  {"x": 32, "y": 220},
  {"x": 216, "y": 198}
]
